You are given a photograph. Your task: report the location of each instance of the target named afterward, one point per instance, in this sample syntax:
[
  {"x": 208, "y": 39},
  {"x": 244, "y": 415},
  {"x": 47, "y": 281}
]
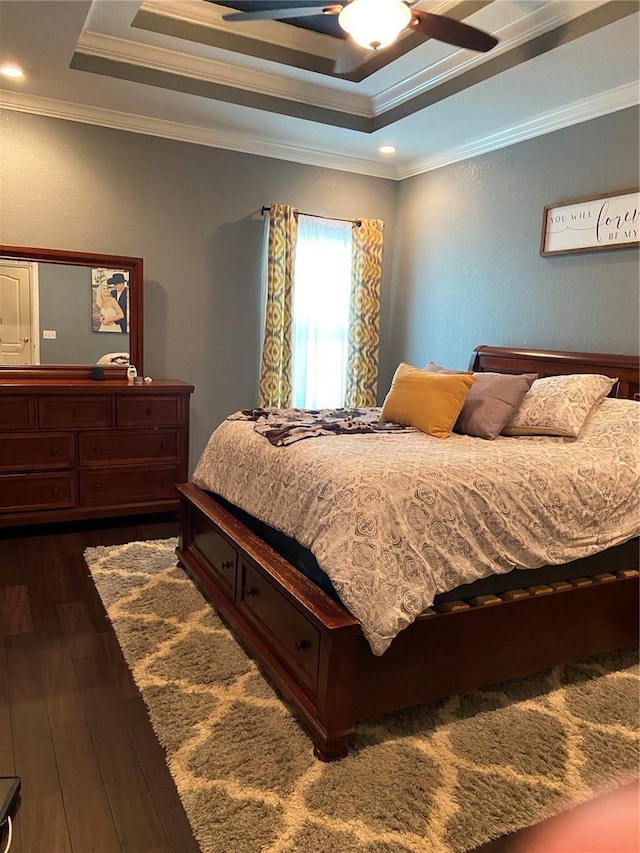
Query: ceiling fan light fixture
[{"x": 374, "y": 23}]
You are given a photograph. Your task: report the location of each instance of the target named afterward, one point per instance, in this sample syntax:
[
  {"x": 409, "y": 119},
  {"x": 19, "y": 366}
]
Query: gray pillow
[{"x": 492, "y": 401}]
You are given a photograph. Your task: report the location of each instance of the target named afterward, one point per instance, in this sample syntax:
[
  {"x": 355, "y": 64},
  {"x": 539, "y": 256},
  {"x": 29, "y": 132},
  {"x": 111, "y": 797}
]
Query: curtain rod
[{"x": 356, "y": 222}]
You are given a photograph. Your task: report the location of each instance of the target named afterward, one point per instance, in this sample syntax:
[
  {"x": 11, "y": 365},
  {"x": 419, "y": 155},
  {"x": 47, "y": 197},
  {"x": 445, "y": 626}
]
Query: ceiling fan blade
[
  {"x": 454, "y": 32},
  {"x": 278, "y": 14},
  {"x": 351, "y": 56}
]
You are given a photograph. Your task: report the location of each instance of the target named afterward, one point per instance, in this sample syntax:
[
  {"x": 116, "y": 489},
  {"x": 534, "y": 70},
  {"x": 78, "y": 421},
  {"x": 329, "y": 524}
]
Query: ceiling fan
[{"x": 375, "y": 24}]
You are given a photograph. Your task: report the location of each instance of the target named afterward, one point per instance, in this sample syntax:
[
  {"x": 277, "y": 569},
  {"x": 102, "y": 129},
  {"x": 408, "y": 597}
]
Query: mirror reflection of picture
[{"x": 109, "y": 300}]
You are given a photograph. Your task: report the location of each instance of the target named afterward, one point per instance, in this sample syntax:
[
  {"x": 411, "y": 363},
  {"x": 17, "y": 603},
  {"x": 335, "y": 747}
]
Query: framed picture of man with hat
[{"x": 110, "y": 301}]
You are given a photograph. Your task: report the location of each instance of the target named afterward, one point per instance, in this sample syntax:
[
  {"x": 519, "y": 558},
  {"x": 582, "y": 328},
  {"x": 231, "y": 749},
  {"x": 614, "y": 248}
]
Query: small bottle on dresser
[{"x": 131, "y": 372}]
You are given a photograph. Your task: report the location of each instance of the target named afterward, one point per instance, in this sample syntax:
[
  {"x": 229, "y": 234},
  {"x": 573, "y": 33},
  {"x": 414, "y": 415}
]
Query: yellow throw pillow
[{"x": 431, "y": 402}]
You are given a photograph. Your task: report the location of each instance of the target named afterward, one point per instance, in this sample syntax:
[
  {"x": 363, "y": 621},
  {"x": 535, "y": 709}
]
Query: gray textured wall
[
  {"x": 468, "y": 268},
  {"x": 190, "y": 212},
  {"x": 461, "y": 261}
]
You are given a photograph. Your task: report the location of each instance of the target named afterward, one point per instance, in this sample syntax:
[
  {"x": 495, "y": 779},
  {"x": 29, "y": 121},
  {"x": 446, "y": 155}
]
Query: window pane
[{"x": 321, "y": 312}]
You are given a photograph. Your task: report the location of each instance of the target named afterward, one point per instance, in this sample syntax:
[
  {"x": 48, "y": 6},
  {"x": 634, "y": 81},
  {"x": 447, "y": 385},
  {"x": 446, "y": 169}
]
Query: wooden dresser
[{"x": 79, "y": 448}]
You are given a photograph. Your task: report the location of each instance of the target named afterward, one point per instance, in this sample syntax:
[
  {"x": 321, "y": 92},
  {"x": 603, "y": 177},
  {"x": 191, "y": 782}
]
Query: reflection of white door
[{"x": 18, "y": 337}]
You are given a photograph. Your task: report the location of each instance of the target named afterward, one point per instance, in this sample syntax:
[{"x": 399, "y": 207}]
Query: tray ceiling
[{"x": 175, "y": 68}]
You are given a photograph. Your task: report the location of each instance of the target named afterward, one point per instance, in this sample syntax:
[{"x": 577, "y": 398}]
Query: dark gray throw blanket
[{"x": 284, "y": 426}]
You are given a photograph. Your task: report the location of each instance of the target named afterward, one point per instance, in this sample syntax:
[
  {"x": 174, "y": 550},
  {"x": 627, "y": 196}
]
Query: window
[
  {"x": 321, "y": 298},
  {"x": 321, "y": 311}
]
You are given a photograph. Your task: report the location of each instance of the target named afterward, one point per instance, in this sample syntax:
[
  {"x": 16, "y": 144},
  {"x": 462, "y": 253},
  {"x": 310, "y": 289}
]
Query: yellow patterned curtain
[
  {"x": 275, "y": 373},
  {"x": 364, "y": 314}
]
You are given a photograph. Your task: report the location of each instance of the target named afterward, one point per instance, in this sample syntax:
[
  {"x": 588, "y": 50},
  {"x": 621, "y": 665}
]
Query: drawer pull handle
[
  {"x": 163, "y": 445},
  {"x": 303, "y": 645},
  {"x": 97, "y": 487},
  {"x": 97, "y": 449},
  {"x": 228, "y": 564},
  {"x": 252, "y": 590},
  {"x": 149, "y": 411},
  {"x": 164, "y": 481},
  {"x": 54, "y": 451},
  {"x": 75, "y": 412},
  {"x": 55, "y": 491}
]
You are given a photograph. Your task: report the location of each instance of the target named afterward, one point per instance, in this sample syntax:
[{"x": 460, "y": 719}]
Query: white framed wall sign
[{"x": 607, "y": 221}]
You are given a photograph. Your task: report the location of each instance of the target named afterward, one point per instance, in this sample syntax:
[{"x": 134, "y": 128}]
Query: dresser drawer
[
  {"x": 291, "y": 636},
  {"x": 148, "y": 409},
  {"x": 74, "y": 412},
  {"x": 37, "y": 491},
  {"x": 126, "y": 445},
  {"x": 221, "y": 557},
  {"x": 36, "y": 451},
  {"x": 128, "y": 485},
  {"x": 17, "y": 413}
]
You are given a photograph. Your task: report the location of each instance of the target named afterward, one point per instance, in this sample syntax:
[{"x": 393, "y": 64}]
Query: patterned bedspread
[{"x": 396, "y": 518}]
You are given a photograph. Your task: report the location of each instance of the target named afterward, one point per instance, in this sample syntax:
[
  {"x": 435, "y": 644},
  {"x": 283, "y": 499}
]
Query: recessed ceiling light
[
  {"x": 12, "y": 71},
  {"x": 387, "y": 149}
]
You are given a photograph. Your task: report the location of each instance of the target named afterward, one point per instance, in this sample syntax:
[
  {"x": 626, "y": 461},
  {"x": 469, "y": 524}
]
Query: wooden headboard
[{"x": 624, "y": 368}]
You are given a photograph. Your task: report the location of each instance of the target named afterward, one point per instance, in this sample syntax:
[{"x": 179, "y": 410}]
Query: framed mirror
[{"x": 62, "y": 312}]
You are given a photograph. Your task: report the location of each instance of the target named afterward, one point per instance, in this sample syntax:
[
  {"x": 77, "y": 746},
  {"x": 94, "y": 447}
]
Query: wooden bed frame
[{"x": 314, "y": 651}]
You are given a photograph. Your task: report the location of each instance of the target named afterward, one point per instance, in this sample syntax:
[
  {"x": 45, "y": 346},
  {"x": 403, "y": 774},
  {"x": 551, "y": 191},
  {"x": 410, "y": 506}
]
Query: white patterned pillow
[{"x": 559, "y": 405}]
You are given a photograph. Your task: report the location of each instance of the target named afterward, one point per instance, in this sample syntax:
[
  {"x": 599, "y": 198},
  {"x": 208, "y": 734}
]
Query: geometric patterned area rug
[{"x": 443, "y": 778}]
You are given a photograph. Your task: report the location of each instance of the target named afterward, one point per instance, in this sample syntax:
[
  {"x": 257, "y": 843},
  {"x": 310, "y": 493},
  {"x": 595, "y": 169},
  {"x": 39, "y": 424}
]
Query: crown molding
[
  {"x": 236, "y": 76},
  {"x": 227, "y": 140},
  {"x": 583, "y": 110},
  {"x": 580, "y": 111}
]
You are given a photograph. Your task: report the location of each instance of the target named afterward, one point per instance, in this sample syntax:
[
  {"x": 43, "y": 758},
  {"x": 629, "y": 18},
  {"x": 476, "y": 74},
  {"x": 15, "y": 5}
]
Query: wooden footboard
[
  {"x": 316, "y": 655},
  {"x": 304, "y": 641}
]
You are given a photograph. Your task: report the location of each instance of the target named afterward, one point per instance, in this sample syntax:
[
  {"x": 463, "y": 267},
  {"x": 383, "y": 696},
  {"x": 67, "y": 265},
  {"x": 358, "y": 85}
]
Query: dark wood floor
[{"x": 72, "y": 723}]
